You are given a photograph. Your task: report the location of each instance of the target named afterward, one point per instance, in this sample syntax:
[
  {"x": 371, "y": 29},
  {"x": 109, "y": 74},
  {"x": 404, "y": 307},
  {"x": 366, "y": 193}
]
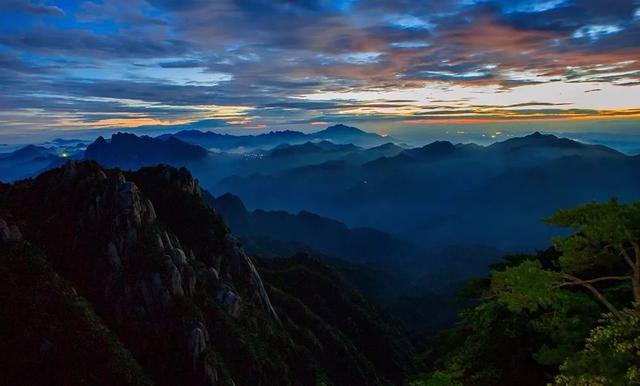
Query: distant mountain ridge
[
  {"x": 447, "y": 193},
  {"x": 314, "y": 233},
  {"x": 130, "y": 151},
  {"x": 27, "y": 161},
  {"x": 339, "y": 134}
]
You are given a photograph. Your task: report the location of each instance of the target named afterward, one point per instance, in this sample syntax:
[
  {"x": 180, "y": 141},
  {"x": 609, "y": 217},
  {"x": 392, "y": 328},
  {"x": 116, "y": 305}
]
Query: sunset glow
[{"x": 235, "y": 65}]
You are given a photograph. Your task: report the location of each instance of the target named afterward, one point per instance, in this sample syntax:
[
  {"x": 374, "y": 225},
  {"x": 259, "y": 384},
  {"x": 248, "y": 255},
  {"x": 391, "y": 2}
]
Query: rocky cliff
[{"x": 179, "y": 300}]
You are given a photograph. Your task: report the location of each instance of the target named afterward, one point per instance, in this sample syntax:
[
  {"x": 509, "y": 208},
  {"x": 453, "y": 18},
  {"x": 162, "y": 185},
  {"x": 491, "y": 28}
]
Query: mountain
[
  {"x": 132, "y": 278},
  {"x": 212, "y": 140},
  {"x": 287, "y": 156},
  {"x": 373, "y": 261},
  {"x": 395, "y": 273},
  {"x": 130, "y": 151},
  {"x": 28, "y": 153},
  {"x": 535, "y": 148},
  {"x": 339, "y": 134},
  {"x": 388, "y": 150},
  {"x": 311, "y": 148},
  {"x": 313, "y": 233},
  {"x": 27, "y": 161},
  {"x": 300, "y": 280},
  {"x": 348, "y": 134},
  {"x": 447, "y": 194}
]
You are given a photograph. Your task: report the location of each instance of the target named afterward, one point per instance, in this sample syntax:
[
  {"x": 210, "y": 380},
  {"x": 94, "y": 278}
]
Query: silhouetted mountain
[
  {"x": 347, "y": 134},
  {"x": 313, "y": 233},
  {"x": 212, "y": 140},
  {"x": 132, "y": 278},
  {"x": 339, "y": 134},
  {"x": 28, "y": 153},
  {"x": 536, "y": 148},
  {"x": 26, "y": 162},
  {"x": 444, "y": 194},
  {"x": 130, "y": 151},
  {"x": 538, "y": 141},
  {"x": 385, "y": 150},
  {"x": 394, "y": 272},
  {"x": 311, "y": 148}
]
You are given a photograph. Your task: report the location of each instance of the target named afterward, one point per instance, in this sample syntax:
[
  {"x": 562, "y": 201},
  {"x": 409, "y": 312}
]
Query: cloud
[
  {"x": 32, "y": 8},
  {"x": 78, "y": 42},
  {"x": 169, "y": 59},
  {"x": 182, "y": 64}
]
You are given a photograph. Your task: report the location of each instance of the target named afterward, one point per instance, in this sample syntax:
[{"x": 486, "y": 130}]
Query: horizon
[{"x": 627, "y": 144}]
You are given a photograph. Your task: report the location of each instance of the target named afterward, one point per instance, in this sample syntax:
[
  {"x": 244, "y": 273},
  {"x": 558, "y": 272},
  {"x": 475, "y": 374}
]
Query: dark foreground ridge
[{"x": 113, "y": 278}]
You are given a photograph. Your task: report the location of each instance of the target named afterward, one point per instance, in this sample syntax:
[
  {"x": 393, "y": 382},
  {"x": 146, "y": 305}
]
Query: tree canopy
[{"x": 570, "y": 315}]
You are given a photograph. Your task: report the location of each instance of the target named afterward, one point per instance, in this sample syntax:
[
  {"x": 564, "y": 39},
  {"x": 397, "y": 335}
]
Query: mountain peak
[
  {"x": 30, "y": 151},
  {"x": 538, "y": 135},
  {"x": 536, "y": 139},
  {"x": 439, "y": 147},
  {"x": 340, "y": 128}
]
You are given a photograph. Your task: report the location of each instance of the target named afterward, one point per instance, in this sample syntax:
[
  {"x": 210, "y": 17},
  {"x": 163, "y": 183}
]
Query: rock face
[
  {"x": 9, "y": 232},
  {"x": 101, "y": 231},
  {"x": 153, "y": 278}
]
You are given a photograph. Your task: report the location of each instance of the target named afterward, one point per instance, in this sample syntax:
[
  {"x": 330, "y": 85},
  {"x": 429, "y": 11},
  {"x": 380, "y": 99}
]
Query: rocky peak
[{"x": 133, "y": 266}]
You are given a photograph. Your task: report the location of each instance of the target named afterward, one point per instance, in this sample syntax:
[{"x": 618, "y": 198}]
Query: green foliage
[
  {"x": 525, "y": 287},
  {"x": 47, "y": 329},
  {"x": 489, "y": 346},
  {"x": 565, "y": 325},
  {"x": 611, "y": 355},
  {"x": 538, "y": 315},
  {"x": 438, "y": 378},
  {"x": 329, "y": 317},
  {"x": 602, "y": 231}
]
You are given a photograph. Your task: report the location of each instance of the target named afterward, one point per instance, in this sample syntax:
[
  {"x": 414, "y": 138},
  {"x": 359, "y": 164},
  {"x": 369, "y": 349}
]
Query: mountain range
[
  {"x": 443, "y": 193},
  {"x": 434, "y": 198},
  {"x": 397, "y": 274},
  {"x": 339, "y": 134},
  {"x": 27, "y": 161},
  {"x": 129, "y": 151},
  {"x": 207, "y": 259}
]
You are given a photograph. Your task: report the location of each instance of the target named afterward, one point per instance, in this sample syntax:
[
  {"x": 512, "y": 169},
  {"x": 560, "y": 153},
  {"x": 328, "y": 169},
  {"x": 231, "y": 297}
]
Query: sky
[{"x": 408, "y": 68}]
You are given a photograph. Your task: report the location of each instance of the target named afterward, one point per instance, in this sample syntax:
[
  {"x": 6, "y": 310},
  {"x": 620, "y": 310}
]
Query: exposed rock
[
  {"x": 166, "y": 240},
  {"x": 9, "y": 232},
  {"x": 229, "y": 300},
  {"x": 114, "y": 258},
  {"x": 189, "y": 276},
  {"x": 197, "y": 343},
  {"x": 213, "y": 273},
  {"x": 178, "y": 257},
  {"x": 243, "y": 266},
  {"x": 118, "y": 248},
  {"x": 175, "y": 280}
]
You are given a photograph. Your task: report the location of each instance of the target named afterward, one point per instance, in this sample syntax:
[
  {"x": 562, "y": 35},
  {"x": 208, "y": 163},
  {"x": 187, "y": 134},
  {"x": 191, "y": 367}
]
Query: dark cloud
[
  {"x": 30, "y": 7},
  {"x": 182, "y": 64},
  {"x": 77, "y": 42}
]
